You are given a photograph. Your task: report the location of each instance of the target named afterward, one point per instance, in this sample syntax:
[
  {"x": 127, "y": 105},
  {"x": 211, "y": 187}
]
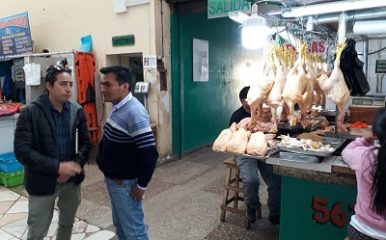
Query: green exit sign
[
  {"x": 126, "y": 40},
  {"x": 221, "y": 8}
]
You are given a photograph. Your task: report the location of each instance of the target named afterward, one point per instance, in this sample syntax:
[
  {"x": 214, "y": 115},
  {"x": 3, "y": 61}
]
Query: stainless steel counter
[{"x": 330, "y": 170}]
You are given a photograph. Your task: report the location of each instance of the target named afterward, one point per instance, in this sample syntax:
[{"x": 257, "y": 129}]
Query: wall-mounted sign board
[{"x": 126, "y": 40}]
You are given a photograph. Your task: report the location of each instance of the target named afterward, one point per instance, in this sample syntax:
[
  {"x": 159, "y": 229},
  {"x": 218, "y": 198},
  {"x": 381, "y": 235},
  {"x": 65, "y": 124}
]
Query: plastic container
[
  {"x": 12, "y": 179},
  {"x": 7, "y": 130},
  {"x": 8, "y": 163},
  {"x": 296, "y": 157}
]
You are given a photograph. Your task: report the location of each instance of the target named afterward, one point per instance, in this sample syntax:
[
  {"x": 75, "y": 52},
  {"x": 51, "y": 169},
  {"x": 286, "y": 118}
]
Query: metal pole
[{"x": 366, "y": 55}]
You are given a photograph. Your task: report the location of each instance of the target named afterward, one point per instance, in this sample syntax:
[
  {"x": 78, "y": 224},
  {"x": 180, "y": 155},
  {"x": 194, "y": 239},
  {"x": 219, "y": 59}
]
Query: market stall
[{"x": 322, "y": 106}]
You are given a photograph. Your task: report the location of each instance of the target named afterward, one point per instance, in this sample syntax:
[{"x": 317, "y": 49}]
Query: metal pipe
[
  {"x": 38, "y": 54},
  {"x": 342, "y": 29},
  {"x": 369, "y": 27},
  {"x": 329, "y": 18},
  {"x": 351, "y": 16},
  {"x": 365, "y": 56},
  {"x": 335, "y": 6}
]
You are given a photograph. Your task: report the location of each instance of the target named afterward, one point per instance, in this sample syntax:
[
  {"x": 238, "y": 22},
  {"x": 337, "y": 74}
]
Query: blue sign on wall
[{"x": 15, "y": 36}]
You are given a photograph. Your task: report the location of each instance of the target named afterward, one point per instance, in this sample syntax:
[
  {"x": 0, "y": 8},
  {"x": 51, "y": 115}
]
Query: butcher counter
[{"x": 317, "y": 199}]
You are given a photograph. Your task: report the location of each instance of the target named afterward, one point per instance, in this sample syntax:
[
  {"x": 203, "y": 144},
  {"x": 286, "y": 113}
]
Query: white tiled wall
[{"x": 371, "y": 76}]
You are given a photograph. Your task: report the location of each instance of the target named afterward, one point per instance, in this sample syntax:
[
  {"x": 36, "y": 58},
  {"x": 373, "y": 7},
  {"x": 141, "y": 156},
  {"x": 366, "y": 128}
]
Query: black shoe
[
  {"x": 251, "y": 214},
  {"x": 275, "y": 220}
]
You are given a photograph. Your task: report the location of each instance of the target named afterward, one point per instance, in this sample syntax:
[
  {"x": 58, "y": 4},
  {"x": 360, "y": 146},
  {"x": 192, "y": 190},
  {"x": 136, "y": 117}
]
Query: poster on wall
[
  {"x": 15, "y": 36},
  {"x": 200, "y": 60},
  {"x": 149, "y": 62}
]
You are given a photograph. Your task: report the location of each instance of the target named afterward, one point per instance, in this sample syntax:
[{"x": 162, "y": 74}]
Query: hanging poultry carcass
[
  {"x": 274, "y": 98},
  {"x": 297, "y": 89},
  {"x": 318, "y": 94},
  {"x": 260, "y": 88},
  {"x": 311, "y": 76},
  {"x": 335, "y": 88},
  {"x": 289, "y": 61}
]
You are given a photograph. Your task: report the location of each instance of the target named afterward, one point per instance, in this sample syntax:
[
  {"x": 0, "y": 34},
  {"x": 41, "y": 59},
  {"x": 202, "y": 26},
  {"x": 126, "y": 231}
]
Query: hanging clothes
[
  {"x": 6, "y": 83},
  {"x": 352, "y": 69},
  {"x": 18, "y": 78}
]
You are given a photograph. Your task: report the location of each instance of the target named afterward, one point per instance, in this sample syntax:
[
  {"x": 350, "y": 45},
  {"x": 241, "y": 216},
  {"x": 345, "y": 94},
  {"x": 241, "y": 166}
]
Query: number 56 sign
[{"x": 338, "y": 214}]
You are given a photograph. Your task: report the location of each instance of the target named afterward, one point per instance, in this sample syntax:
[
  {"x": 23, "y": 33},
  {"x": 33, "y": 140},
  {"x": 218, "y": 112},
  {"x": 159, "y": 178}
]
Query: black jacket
[
  {"x": 352, "y": 69},
  {"x": 35, "y": 145}
]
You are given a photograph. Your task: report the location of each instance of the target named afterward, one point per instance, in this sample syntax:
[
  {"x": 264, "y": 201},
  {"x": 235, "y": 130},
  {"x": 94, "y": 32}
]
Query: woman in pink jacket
[{"x": 369, "y": 163}]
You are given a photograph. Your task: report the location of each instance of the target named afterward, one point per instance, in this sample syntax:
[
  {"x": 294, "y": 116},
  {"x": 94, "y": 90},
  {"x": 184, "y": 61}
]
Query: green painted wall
[
  {"x": 202, "y": 109},
  {"x": 314, "y": 210}
]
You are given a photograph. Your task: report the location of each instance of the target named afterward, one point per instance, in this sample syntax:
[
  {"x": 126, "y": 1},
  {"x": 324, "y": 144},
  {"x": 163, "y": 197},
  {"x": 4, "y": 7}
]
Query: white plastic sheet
[{"x": 32, "y": 74}]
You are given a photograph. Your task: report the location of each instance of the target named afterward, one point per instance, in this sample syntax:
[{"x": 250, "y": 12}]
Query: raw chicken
[
  {"x": 257, "y": 144},
  {"x": 260, "y": 126},
  {"x": 336, "y": 89},
  {"x": 238, "y": 142},
  {"x": 297, "y": 87},
  {"x": 307, "y": 97},
  {"x": 260, "y": 89},
  {"x": 233, "y": 127},
  {"x": 312, "y": 76},
  {"x": 220, "y": 144},
  {"x": 274, "y": 98},
  {"x": 318, "y": 94},
  {"x": 263, "y": 127},
  {"x": 244, "y": 123}
]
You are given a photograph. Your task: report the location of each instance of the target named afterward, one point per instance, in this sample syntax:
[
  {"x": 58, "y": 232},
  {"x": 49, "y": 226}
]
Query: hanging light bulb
[{"x": 254, "y": 34}]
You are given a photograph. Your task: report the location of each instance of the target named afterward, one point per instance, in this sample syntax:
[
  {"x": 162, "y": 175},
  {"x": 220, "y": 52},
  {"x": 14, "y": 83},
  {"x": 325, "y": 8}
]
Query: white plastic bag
[{"x": 32, "y": 74}]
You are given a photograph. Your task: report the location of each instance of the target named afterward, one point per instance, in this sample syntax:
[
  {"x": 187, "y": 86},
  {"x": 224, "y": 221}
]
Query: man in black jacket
[
  {"x": 53, "y": 143},
  {"x": 248, "y": 170}
]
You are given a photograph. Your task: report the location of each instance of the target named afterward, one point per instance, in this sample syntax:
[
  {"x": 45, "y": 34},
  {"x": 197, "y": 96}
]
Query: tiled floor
[
  {"x": 182, "y": 202},
  {"x": 13, "y": 221}
]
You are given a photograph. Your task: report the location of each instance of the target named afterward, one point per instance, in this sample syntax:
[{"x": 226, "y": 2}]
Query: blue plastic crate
[
  {"x": 6, "y": 156},
  {"x": 8, "y": 163}
]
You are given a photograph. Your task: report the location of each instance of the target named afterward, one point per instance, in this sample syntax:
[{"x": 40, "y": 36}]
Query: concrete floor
[{"x": 182, "y": 202}]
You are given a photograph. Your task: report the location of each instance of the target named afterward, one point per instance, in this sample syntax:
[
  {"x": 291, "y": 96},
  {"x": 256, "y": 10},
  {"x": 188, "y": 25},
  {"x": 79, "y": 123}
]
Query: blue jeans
[
  {"x": 128, "y": 217},
  {"x": 248, "y": 171}
]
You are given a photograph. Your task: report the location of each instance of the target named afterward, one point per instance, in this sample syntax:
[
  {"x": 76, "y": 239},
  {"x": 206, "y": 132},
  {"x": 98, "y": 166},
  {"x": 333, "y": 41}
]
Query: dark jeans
[
  {"x": 354, "y": 234},
  {"x": 248, "y": 171}
]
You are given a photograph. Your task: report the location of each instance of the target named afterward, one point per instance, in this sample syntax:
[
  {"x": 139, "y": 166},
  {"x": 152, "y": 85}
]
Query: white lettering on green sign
[
  {"x": 221, "y": 8},
  {"x": 125, "y": 40}
]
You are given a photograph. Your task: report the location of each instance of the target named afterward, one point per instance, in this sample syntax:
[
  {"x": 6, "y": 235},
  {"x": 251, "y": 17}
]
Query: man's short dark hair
[
  {"x": 123, "y": 74},
  {"x": 54, "y": 70},
  {"x": 243, "y": 93}
]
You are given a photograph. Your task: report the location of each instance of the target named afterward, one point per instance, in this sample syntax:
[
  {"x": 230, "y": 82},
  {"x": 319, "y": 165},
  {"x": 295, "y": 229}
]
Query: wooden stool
[{"x": 233, "y": 183}]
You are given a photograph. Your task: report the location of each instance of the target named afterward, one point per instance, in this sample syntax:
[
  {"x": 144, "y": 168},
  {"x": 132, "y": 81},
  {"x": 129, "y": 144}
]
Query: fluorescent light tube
[{"x": 326, "y": 8}]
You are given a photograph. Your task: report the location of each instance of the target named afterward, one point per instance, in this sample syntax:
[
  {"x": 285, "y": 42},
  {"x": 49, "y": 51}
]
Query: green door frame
[{"x": 176, "y": 85}]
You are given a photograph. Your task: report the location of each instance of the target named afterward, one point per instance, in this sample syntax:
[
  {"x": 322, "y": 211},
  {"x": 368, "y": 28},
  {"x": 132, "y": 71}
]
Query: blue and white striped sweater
[{"x": 128, "y": 149}]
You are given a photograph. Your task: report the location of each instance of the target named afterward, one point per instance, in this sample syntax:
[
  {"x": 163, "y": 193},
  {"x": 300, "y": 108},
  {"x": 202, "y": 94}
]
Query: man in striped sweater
[{"x": 127, "y": 153}]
